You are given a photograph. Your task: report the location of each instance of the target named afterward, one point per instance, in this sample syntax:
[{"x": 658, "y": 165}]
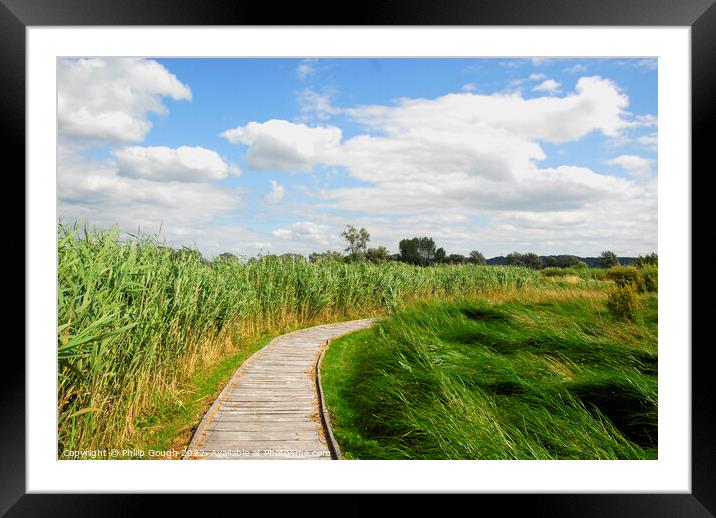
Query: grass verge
[
  {"x": 164, "y": 432},
  {"x": 542, "y": 375}
]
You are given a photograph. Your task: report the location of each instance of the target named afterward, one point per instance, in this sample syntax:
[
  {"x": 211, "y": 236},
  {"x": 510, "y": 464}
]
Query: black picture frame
[{"x": 699, "y": 15}]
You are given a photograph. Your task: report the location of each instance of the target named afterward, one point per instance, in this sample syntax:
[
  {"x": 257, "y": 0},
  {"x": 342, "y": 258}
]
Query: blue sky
[{"x": 278, "y": 155}]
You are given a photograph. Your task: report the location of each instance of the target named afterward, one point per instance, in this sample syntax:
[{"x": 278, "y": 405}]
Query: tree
[
  {"x": 531, "y": 260},
  {"x": 418, "y": 250},
  {"x": 377, "y": 255},
  {"x": 608, "y": 259},
  {"x": 567, "y": 261},
  {"x": 426, "y": 250},
  {"x": 477, "y": 258},
  {"x": 457, "y": 259},
  {"x": 409, "y": 251},
  {"x": 227, "y": 256},
  {"x": 514, "y": 259},
  {"x": 357, "y": 240},
  {"x": 551, "y": 261},
  {"x": 440, "y": 255},
  {"x": 651, "y": 259}
]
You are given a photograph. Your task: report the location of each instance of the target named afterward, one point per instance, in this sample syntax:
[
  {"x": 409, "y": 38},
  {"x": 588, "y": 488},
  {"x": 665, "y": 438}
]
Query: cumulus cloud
[
  {"x": 279, "y": 145},
  {"x": 480, "y": 152},
  {"x": 276, "y": 194},
  {"x": 109, "y": 99},
  {"x": 304, "y": 231},
  {"x": 93, "y": 190},
  {"x": 636, "y": 166},
  {"x": 160, "y": 163},
  {"x": 548, "y": 85},
  {"x": 537, "y": 77},
  {"x": 596, "y": 105}
]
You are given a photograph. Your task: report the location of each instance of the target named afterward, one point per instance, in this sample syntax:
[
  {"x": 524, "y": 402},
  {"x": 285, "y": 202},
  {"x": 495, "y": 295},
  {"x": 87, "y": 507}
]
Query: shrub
[
  {"x": 622, "y": 302},
  {"x": 623, "y": 275},
  {"x": 650, "y": 259},
  {"x": 649, "y": 275},
  {"x": 644, "y": 279},
  {"x": 599, "y": 274}
]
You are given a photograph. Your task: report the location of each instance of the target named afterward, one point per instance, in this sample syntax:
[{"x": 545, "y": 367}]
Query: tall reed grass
[{"x": 134, "y": 317}]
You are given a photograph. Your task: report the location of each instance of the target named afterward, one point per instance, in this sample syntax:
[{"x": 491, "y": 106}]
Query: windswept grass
[
  {"x": 538, "y": 375},
  {"x": 136, "y": 318}
]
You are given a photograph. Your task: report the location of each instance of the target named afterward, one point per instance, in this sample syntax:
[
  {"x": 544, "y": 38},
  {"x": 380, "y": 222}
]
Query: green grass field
[{"x": 542, "y": 373}]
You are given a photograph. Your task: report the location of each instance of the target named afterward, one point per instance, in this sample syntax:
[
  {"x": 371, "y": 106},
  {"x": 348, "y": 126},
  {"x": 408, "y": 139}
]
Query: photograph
[
  {"x": 425, "y": 254},
  {"x": 357, "y": 258}
]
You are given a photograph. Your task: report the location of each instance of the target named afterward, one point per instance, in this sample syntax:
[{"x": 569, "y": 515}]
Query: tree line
[{"x": 422, "y": 251}]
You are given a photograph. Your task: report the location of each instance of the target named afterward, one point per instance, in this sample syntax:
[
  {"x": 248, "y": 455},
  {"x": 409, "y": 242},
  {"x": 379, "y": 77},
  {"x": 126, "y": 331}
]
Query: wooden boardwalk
[{"x": 270, "y": 408}]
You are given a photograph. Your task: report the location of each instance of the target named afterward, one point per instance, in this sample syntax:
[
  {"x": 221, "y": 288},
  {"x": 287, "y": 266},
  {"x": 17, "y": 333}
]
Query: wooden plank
[
  {"x": 256, "y": 418},
  {"x": 243, "y": 426},
  {"x": 265, "y": 457},
  {"x": 265, "y": 435},
  {"x": 264, "y": 445}
]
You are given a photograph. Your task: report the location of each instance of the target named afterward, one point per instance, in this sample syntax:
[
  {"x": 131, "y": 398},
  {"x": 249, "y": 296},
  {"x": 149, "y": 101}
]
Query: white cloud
[
  {"x": 234, "y": 170},
  {"x": 576, "y": 69},
  {"x": 644, "y": 121},
  {"x": 548, "y": 85},
  {"x": 109, "y": 99},
  {"x": 160, "y": 163},
  {"x": 640, "y": 63},
  {"x": 537, "y": 77},
  {"x": 304, "y": 231},
  {"x": 280, "y": 145},
  {"x": 276, "y": 194},
  {"x": 479, "y": 152},
  {"x": 93, "y": 190},
  {"x": 469, "y": 87},
  {"x": 317, "y": 104},
  {"x": 636, "y": 166},
  {"x": 651, "y": 141},
  {"x": 597, "y": 104},
  {"x": 306, "y": 68}
]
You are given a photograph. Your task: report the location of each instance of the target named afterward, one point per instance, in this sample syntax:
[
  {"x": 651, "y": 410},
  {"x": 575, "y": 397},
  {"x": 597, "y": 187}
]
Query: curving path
[{"x": 270, "y": 408}]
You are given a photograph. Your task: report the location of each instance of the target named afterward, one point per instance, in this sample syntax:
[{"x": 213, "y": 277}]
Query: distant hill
[{"x": 592, "y": 262}]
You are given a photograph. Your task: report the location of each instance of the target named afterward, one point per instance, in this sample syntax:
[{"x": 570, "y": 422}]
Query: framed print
[{"x": 217, "y": 148}]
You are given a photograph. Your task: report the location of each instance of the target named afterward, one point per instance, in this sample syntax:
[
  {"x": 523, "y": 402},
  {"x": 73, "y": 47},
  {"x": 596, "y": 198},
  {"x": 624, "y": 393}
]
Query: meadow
[
  {"x": 147, "y": 335},
  {"x": 545, "y": 372}
]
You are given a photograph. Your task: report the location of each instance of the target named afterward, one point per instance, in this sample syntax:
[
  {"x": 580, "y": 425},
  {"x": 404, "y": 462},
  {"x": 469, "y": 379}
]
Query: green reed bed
[
  {"x": 542, "y": 375},
  {"x": 134, "y": 317}
]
